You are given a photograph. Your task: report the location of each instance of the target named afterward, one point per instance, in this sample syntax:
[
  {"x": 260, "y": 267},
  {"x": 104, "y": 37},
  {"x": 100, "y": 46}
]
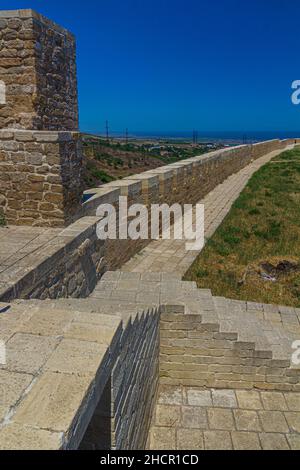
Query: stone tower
[{"x": 40, "y": 147}]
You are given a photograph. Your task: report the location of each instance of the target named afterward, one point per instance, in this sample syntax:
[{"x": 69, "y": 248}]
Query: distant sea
[{"x": 224, "y": 137}]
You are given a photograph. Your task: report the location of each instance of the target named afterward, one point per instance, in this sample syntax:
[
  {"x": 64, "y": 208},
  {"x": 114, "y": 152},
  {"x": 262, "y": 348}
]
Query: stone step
[
  {"x": 234, "y": 317},
  {"x": 123, "y": 294}
]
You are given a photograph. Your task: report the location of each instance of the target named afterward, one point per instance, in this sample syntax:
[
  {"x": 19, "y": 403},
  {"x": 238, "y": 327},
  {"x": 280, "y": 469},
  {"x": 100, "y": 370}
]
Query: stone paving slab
[
  {"x": 56, "y": 363},
  {"x": 171, "y": 255},
  {"x": 19, "y": 251},
  {"x": 197, "y": 419}
]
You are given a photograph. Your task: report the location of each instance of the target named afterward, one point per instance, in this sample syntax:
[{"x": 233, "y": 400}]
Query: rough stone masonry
[{"x": 40, "y": 148}]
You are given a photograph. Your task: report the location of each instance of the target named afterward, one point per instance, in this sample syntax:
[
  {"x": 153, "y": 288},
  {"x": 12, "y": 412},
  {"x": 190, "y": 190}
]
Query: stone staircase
[{"x": 255, "y": 337}]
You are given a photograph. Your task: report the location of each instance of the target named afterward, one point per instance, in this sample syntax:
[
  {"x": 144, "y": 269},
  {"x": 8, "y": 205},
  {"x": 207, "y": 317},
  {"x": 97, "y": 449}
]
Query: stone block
[
  {"x": 12, "y": 386},
  {"x": 76, "y": 357},
  {"x": 272, "y": 441},
  {"x": 35, "y": 352},
  {"x": 293, "y": 419},
  {"x": 273, "y": 421},
  {"x": 169, "y": 395},
  {"x": 14, "y": 436},
  {"x": 249, "y": 400},
  {"x": 246, "y": 420},
  {"x": 245, "y": 441},
  {"x": 274, "y": 401},
  {"x": 194, "y": 417},
  {"x": 162, "y": 438},
  {"x": 220, "y": 419},
  {"x": 200, "y": 398},
  {"x": 217, "y": 440},
  {"x": 190, "y": 439},
  {"x": 224, "y": 398},
  {"x": 168, "y": 415},
  {"x": 293, "y": 401}
]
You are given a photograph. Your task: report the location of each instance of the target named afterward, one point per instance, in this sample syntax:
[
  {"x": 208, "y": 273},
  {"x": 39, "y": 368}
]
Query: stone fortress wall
[
  {"x": 68, "y": 269},
  {"x": 135, "y": 330}
]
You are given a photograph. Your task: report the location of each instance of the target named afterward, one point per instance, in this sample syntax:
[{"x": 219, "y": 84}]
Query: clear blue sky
[{"x": 175, "y": 65}]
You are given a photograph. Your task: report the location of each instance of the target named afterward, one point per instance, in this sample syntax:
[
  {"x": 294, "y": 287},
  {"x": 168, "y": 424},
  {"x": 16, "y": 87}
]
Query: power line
[{"x": 107, "y": 130}]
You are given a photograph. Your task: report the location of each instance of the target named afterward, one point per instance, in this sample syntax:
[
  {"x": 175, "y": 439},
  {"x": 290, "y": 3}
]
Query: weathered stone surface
[
  {"x": 293, "y": 420},
  {"x": 19, "y": 437},
  {"x": 188, "y": 439},
  {"x": 249, "y": 400},
  {"x": 199, "y": 397},
  {"x": 170, "y": 395},
  {"x": 224, "y": 398},
  {"x": 45, "y": 323},
  {"x": 273, "y": 421},
  {"x": 50, "y": 405},
  {"x": 168, "y": 415},
  {"x": 35, "y": 352},
  {"x": 90, "y": 332},
  {"x": 12, "y": 386},
  {"x": 220, "y": 419},
  {"x": 45, "y": 97},
  {"x": 219, "y": 440},
  {"x": 274, "y": 401},
  {"x": 193, "y": 417},
  {"x": 246, "y": 420},
  {"x": 294, "y": 441},
  {"x": 293, "y": 401},
  {"x": 29, "y": 173},
  {"x": 76, "y": 357},
  {"x": 271, "y": 441},
  {"x": 245, "y": 441},
  {"x": 163, "y": 438}
]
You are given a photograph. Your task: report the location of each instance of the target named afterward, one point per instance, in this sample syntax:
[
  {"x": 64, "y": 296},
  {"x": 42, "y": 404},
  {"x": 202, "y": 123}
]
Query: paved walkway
[
  {"x": 170, "y": 255},
  {"x": 194, "y": 419}
]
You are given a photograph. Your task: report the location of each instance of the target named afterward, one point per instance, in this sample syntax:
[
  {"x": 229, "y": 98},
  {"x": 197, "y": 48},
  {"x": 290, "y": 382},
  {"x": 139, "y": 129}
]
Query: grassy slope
[
  {"x": 106, "y": 162},
  {"x": 263, "y": 225}
]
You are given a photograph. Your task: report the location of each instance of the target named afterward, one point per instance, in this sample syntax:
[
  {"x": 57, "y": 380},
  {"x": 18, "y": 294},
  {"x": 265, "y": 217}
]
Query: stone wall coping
[
  {"x": 268, "y": 141},
  {"x": 38, "y": 136},
  {"x": 29, "y": 13},
  {"x": 126, "y": 186},
  {"x": 163, "y": 173},
  {"x": 148, "y": 181}
]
